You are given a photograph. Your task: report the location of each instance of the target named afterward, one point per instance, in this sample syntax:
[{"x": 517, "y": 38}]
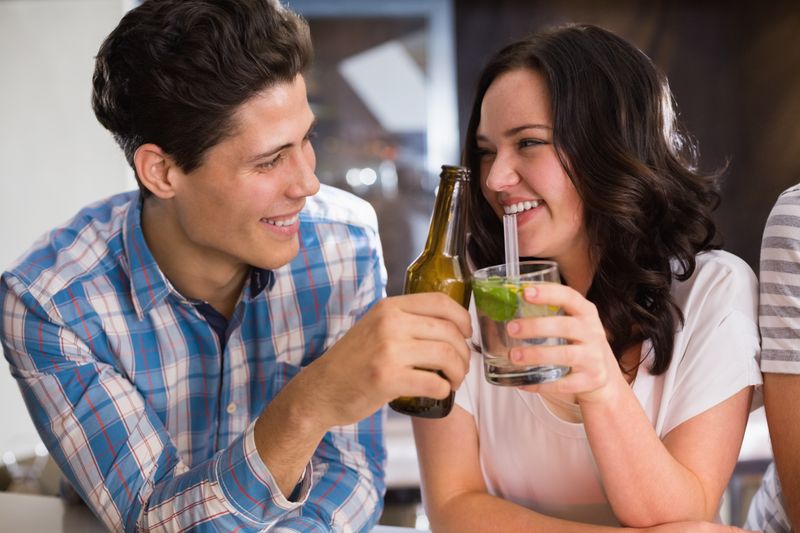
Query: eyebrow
[
  {"x": 514, "y": 131},
  {"x": 274, "y": 151}
]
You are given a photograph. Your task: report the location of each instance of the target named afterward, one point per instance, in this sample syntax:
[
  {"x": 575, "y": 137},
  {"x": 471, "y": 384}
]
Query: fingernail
[
  {"x": 516, "y": 356},
  {"x": 531, "y": 292},
  {"x": 513, "y": 327}
]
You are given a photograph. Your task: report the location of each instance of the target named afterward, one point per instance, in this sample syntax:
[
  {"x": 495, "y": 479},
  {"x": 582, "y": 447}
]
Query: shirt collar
[
  {"x": 149, "y": 286},
  {"x": 260, "y": 279}
]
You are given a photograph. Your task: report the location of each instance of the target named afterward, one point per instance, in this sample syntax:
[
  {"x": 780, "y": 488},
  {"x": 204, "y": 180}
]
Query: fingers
[
  {"x": 401, "y": 328},
  {"x": 560, "y": 354},
  {"x": 565, "y": 327},
  {"x": 400, "y": 336},
  {"x": 428, "y": 328},
  {"x": 425, "y": 383},
  {"x": 570, "y": 300},
  {"x": 435, "y": 305},
  {"x": 572, "y": 383},
  {"x": 586, "y": 374},
  {"x": 427, "y": 368},
  {"x": 429, "y": 318},
  {"x": 580, "y": 324},
  {"x": 586, "y": 352},
  {"x": 452, "y": 361}
]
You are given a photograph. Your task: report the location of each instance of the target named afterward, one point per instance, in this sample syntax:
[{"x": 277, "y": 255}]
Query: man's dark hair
[
  {"x": 647, "y": 208},
  {"x": 173, "y": 72}
]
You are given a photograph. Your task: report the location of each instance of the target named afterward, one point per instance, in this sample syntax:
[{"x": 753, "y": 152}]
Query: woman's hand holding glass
[{"x": 595, "y": 372}]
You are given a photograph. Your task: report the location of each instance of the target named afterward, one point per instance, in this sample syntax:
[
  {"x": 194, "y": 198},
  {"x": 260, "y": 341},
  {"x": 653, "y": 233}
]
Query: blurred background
[{"x": 392, "y": 84}]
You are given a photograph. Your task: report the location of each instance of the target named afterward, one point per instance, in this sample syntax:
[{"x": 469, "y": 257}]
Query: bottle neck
[{"x": 447, "y": 235}]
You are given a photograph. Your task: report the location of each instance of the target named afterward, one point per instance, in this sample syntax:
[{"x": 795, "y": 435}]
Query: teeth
[
  {"x": 520, "y": 207},
  {"x": 281, "y": 223}
]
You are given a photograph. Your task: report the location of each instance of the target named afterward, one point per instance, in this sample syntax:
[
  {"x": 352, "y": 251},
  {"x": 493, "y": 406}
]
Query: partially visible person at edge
[
  {"x": 775, "y": 508},
  {"x": 210, "y": 353},
  {"x": 574, "y": 130}
]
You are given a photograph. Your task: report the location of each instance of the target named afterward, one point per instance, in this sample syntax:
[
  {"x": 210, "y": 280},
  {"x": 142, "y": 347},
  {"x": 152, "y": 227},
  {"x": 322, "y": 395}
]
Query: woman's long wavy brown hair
[{"x": 647, "y": 208}]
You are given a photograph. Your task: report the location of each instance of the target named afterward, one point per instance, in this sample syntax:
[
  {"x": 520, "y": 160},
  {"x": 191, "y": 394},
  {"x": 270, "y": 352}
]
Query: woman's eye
[
  {"x": 484, "y": 153},
  {"x": 526, "y": 143}
]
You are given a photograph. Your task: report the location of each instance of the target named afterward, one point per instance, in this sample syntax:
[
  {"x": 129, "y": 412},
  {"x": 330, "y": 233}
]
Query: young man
[
  {"x": 210, "y": 352},
  {"x": 775, "y": 508}
]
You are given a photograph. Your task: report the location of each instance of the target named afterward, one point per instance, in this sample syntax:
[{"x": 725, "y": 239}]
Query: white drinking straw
[{"x": 512, "y": 246}]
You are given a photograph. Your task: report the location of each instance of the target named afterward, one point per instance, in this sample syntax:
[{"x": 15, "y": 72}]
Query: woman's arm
[
  {"x": 647, "y": 481},
  {"x": 453, "y": 490},
  {"x": 455, "y": 495}
]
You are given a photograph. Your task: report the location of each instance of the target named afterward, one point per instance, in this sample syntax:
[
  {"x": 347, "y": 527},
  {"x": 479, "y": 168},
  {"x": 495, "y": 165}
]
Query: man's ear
[{"x": 155, "y": 170}]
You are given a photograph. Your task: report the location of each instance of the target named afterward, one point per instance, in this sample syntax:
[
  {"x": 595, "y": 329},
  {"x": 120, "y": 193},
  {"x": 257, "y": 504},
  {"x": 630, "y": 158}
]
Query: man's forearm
[
  {"x": 286, "y": 434},
  {"x": 348, "y": 461}
]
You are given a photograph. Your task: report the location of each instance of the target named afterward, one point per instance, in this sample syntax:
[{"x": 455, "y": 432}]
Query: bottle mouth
[{"x": 456, "y": 171}]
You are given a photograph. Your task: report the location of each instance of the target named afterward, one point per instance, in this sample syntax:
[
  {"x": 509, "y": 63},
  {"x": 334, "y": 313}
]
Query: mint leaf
[{"x": 495, "y": 298}]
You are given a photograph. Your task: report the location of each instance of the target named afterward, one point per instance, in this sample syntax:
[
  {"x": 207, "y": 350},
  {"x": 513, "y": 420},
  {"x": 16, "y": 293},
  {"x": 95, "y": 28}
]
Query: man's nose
[{"x": 305, "y": 182}]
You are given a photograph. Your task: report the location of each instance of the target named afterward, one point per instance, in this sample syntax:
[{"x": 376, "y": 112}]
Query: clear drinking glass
[{"x": 498, "y": 300}]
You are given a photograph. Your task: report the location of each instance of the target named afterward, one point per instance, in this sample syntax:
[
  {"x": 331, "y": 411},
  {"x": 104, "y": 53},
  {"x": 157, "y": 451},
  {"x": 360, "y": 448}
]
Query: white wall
[{"x": 54, "y": 156}]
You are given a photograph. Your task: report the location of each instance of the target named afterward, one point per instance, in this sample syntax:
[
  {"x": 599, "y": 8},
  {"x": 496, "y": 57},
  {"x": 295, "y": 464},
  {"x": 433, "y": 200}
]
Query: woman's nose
[{"x": 502, "y": 175}]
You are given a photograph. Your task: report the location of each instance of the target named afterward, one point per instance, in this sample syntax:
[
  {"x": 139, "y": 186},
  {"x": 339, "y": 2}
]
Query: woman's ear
[{"x": 154, "y": 169}]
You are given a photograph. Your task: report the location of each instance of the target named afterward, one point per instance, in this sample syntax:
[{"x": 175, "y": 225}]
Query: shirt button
[{"x": 231, "y": 408}]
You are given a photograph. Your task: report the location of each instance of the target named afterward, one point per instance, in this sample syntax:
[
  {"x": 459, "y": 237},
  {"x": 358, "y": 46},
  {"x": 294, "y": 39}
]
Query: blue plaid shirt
[{"x": 148, "y": 418}]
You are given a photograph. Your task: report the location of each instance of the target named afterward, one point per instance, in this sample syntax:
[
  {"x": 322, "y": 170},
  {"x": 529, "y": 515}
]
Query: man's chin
[{"x": 277, "y": 257}]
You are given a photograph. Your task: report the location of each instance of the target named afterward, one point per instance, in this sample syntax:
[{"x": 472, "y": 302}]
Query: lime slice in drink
[
  {"x": 528, "y": 310},
  {"x": 495, "y": 298}
]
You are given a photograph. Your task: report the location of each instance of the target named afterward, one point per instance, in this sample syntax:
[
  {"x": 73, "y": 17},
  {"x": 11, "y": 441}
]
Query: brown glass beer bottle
[{"x": 441, "y": 267}]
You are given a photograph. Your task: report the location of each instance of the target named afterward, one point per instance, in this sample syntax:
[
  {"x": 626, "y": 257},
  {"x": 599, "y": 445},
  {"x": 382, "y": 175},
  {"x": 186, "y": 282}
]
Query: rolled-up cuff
[{"x": 250, "y": 487}]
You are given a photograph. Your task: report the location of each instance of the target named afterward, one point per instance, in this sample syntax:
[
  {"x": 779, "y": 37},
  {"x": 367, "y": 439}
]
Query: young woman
[{"x": 575, "y": 130}]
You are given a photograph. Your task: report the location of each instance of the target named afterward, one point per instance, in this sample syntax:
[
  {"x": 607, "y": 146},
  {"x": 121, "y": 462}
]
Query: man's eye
[{"x": 271, "y": 163}]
